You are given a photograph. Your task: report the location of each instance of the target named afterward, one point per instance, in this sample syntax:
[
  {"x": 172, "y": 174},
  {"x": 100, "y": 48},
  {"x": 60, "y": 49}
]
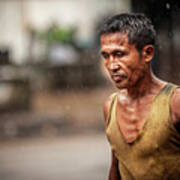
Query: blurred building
[{"x": 19, "y": 17}]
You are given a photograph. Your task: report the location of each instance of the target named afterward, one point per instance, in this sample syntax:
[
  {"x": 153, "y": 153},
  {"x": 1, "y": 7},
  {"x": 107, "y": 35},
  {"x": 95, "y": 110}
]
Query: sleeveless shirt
[{"x": 155, "y": 154}]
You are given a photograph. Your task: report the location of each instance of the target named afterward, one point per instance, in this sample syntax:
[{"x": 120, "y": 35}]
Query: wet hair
[{"x": 138, "y": 27}]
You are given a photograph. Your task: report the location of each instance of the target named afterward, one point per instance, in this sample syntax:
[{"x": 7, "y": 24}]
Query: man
[{"x": 143, "y": 116}]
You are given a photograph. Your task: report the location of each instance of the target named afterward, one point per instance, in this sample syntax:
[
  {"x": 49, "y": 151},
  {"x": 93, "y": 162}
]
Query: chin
[{"x": 121, "y": 85}]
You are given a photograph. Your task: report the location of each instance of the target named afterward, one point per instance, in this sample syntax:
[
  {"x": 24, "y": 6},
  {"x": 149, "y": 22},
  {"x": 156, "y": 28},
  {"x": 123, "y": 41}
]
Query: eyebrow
[
  {"x": 117, "y": 50},
  {"x": 113, "y": 51}
]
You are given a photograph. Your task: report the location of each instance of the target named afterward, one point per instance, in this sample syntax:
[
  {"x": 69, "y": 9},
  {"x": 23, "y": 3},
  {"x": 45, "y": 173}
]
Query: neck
[{"x": 147, "y": 84}]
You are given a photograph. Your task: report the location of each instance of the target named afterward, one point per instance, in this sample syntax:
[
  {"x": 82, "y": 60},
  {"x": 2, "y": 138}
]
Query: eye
[
  {"x": 105, "y": 55},
  {"x": 119, "y": 54}
]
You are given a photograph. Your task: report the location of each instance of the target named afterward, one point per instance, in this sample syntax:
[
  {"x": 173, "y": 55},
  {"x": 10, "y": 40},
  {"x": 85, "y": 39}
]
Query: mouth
[{"x": 119, "y": 78}]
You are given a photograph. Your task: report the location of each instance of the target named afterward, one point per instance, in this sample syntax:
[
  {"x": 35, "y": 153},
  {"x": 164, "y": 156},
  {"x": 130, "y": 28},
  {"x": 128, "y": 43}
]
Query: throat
[{"x": 142, "y": 87}]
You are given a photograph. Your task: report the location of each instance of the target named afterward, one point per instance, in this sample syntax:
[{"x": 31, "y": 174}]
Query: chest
[{"x": 131, "y": 118}]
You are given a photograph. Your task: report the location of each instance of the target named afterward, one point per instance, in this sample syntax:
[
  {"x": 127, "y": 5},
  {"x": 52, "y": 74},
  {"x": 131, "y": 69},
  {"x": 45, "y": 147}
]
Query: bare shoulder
[
  {"x": 175, "y": 104},
  {"x": 106, "y": 108},
  {"x": 107, "y": 104}
]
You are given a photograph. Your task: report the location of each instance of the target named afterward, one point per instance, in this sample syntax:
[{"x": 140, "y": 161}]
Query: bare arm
[
  {"x": 175, "y": 110},
  {"x": 114, "y": 171}
]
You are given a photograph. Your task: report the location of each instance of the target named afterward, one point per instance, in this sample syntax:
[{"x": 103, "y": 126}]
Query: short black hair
[{"x": 137, "y": 26}]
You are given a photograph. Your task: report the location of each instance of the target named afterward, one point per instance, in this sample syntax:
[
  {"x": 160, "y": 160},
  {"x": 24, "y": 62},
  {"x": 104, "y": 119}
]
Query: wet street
[
  {"x": 75, "y": 157},
  {"x": 54, "y": 140}
]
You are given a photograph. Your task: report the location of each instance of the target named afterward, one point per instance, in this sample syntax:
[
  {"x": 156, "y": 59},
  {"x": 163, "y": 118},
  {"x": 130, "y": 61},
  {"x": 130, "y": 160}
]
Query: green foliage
[{"x": 58, "y": 35}]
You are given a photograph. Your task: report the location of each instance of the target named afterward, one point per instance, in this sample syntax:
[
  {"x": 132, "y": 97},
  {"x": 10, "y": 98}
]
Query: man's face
[{"x": 122, "y": 60}]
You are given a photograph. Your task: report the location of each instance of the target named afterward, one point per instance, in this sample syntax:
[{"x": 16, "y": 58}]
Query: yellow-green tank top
[{"x": 155, "y": 154}]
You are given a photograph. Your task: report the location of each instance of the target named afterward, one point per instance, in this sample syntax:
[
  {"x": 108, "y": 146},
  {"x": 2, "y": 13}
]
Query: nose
[{"x": 113, "y": 67}]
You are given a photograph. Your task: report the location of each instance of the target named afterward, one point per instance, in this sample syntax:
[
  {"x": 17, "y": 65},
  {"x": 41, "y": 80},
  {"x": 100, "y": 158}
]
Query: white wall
[
  {"x": 12, "y": 33},
  {"x": 72, "y": 12}
]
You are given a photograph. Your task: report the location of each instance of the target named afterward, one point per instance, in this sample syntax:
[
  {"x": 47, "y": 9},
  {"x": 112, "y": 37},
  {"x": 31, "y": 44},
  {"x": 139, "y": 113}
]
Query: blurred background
[{"x": 53, "y": 84}]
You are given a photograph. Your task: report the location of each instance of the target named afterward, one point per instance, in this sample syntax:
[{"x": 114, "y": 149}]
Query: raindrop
[
  {"x": 168, "y": 6},
  {"x": 170, "y": 34},
  {"x": 160, "y": 47}
]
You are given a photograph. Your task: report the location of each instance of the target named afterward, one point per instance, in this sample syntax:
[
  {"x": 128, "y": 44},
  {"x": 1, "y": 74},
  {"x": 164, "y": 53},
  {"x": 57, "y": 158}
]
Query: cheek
[
  {"x": 106, "y": 69},
  {"x": 131, "y": 64},
  {"x": 138, "y": 72},
  {"x": 106, "y": 64}
]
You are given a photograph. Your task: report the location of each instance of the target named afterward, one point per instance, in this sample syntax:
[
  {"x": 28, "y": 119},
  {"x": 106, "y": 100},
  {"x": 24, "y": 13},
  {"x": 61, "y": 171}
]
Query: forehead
[{"x": 114, "y": 40}]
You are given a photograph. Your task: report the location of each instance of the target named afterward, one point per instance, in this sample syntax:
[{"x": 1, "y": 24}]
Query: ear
[{"x": 148, "y": 53}]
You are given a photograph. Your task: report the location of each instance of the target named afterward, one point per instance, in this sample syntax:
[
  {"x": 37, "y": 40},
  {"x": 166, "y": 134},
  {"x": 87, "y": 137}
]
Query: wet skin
[
  {"x": 130, "y": 71},
  {"x": 122, "y": 60}
]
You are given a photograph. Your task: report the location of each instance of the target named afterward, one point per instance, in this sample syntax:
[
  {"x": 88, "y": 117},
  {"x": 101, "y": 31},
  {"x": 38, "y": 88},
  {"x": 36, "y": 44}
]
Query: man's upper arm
[
  {"x": 114, "y": 171},
  {"x": 106, "y": 108},
  {"x": 175, "y": 105}
]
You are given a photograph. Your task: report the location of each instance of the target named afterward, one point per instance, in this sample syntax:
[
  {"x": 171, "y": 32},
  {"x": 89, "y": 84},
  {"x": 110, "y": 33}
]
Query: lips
[{"x": 118, "y": 78}]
